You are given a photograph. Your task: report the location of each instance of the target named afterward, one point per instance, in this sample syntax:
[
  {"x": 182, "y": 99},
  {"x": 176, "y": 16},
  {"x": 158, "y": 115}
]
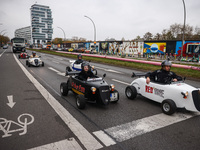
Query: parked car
[{"x": 5, "y": 46}]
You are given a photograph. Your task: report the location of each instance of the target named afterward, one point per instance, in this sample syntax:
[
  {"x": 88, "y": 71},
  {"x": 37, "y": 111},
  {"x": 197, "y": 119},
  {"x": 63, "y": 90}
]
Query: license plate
[{"x": 113, "y": 96}]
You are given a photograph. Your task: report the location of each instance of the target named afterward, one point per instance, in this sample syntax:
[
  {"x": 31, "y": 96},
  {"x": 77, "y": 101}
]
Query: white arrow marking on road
[{"x": 10, "y": 101}]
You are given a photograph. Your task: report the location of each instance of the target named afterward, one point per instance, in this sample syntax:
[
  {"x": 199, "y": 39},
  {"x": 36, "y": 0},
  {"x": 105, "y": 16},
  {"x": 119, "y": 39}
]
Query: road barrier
[{"x": 133, "y": 60}]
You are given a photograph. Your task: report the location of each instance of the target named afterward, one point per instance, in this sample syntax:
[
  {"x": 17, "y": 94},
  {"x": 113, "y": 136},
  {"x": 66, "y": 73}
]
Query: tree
[
  {"x": 4, "y": 40},
  {"x": 57, "y": 41},
  {"x": 158, "y": 36},
  {"x": 148, "y": 36}
]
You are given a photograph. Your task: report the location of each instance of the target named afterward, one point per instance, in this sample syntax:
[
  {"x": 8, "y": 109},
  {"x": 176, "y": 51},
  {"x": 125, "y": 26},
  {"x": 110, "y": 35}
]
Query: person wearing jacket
[
  {"x": 79, "y": 60},
  {"x": 164, "y": 75},
  {"x": 86, "y": 72}
]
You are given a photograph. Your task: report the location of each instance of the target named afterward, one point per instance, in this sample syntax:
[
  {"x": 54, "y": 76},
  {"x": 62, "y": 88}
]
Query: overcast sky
[{"x": 113, "y": 18}]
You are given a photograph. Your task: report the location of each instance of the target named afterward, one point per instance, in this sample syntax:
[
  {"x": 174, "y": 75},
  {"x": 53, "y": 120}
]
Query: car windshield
[
  {"x": 18, "y": 41},
  {"x": 177, "y": 82},
  {"x": 94, "y": 79}
]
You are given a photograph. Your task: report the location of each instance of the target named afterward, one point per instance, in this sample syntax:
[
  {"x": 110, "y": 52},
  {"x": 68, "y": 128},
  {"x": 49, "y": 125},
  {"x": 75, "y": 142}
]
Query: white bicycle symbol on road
[{"x": 5, "y": 125}]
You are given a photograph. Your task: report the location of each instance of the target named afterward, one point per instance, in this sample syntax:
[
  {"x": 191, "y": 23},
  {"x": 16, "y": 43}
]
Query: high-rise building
[{"x": 41, "y": 24}]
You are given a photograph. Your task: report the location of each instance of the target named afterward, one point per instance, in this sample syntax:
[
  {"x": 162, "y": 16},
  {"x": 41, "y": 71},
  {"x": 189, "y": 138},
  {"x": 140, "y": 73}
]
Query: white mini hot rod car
[
  {"x": 36, "y": 61},
  {"x": 77, "y": 67},
  {"x": 171, "y": 96}
]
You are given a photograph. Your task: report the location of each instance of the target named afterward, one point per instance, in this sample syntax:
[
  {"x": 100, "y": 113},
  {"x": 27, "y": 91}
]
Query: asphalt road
[{"x": 42, "y": 118}]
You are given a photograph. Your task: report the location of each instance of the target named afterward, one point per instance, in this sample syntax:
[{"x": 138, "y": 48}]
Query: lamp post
[
  {"x": 94, "y": 31},
  {"x": 183, "y": 28},
  {"x": 63, "y": 32},
  {"x": 2, "y": 31}
]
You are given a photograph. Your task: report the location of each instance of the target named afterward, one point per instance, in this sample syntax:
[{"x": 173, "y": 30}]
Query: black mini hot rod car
[{"x": 94, "y": 90}]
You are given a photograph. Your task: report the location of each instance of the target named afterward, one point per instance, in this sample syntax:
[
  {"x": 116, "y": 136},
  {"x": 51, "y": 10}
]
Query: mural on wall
[
  {"x": 134, "y": 48},
  {"x": 189, "y": 47},
  {"x": 104, "y": 46},
  {"x": 155, "y": 48},
  {"x": 114, "y": 47},
  {"x": 87, "y": 46}
]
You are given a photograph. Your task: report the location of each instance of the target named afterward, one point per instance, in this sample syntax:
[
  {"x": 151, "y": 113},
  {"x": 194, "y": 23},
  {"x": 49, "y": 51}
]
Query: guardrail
[{"x": 133, "y": 60}]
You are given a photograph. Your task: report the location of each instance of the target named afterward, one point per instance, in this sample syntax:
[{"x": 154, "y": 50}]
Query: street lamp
[
  {"x": 183, "y": 28},
  {"x": 2, "y": 31},
  {"x": 63, "y": 32},
  {"x": 94, "y": 31}
]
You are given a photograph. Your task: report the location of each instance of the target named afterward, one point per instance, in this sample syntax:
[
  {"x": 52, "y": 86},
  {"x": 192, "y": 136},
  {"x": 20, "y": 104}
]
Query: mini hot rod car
[
  {"x": 171, "y": 96},
  {"x": 94, "y": 90},
  {"x": 23, "y": 55},
  {"x": 35, "y": 61},
  {"x": 77, "y": 67}
]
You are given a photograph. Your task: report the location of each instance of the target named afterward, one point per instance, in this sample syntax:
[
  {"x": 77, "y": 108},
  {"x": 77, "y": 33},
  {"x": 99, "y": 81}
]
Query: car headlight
[
  {"x": 93, "y": 90},
  {"x": 112, "y": 87},
  {"x": 185, "y": 94}
]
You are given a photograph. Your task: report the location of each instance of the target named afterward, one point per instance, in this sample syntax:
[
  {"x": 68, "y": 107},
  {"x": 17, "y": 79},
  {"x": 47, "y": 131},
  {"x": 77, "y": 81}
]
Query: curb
[{"x": 133, "y": 60}]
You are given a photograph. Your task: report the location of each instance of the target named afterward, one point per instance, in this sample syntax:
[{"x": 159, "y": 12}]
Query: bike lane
[{"x": 26, "y": 119}]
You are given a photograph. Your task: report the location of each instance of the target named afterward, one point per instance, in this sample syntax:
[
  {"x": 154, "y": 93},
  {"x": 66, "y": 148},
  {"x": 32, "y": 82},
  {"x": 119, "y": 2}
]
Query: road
[{"x": 39, "y": 117}]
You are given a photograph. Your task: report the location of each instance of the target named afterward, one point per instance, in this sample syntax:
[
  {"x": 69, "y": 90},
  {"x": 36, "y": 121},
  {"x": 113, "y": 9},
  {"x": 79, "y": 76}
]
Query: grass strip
[{"x": 189, "y": 73}]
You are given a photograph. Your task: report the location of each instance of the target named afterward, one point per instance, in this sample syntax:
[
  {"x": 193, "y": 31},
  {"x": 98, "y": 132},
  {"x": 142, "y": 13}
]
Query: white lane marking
[
  {"x": 55, "y": 61},
  {"x": 2, "y": 53},
  {"x": 62, "y": 74},
  {"x": 58, "y": 72},
  {"x": 109, "y": 70},
  {"x": 54, "y": 70},
  {"x": 141, "y": 126},
  {"x": 121, "y": 82},
  {"x": 82, "y": 134},
  {"x": 68, "y": 144},
  {"x": 10, "y": 101},
  {"x": 58, "y": 58},
  {"x": 107, "y": 141}
]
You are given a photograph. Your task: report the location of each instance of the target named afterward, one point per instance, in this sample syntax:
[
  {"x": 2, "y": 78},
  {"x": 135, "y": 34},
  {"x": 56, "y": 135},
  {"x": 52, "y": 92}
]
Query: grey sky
[{"x": 113, "y": 18}]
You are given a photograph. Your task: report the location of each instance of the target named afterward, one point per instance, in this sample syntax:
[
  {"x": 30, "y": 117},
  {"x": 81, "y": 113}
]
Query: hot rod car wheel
[
  {"x": 95, "y": 72},
  {"x": 131, "y": 92},
  {"x": 42, "y": 64},
  {"x": 68, "y": 68},
  {"x": 168, "y": 107},
  {"x": 64, "y": 89},
  {"x": 19, "y": 56},
  {"x": 27, "y": 62},
  {"x": 80, "y": 101}
]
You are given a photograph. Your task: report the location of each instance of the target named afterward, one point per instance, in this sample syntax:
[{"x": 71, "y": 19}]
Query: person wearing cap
[
  {"x": 86, "y": 72},
  {"x": 164, "y": 75},
  {"x": 33, "y": 55},
  {"x": 79, "y": 60}
]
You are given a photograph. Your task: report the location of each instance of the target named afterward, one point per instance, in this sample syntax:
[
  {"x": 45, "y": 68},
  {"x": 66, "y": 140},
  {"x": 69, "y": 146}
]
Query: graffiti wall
[
  {"x": 189, "y": 47},
  {"x": 103, "y": 46},
  {"x": 155, "y": 47},
  {"x": 131, "y": 47}
]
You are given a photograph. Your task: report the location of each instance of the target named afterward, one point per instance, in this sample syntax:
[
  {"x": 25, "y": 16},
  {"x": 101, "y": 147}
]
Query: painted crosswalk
[{"x": 138, "y": 127}]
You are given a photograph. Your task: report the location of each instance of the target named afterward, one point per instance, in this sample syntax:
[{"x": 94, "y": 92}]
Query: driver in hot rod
[{"x": 163, "y": 75}]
